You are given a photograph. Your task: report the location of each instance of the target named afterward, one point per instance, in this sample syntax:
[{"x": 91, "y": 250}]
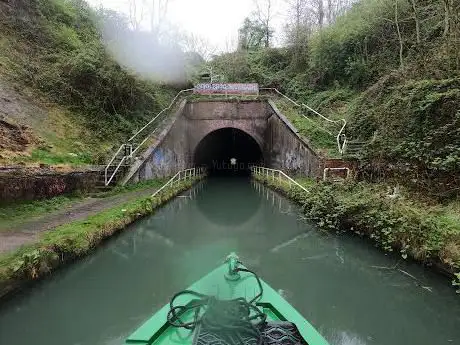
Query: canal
[{"x": 350, "y": 291}]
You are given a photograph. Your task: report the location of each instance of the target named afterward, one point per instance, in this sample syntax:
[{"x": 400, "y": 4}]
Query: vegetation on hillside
[
  {"x": 390, "y": 67},
  {"x": 55, "y": 49}
]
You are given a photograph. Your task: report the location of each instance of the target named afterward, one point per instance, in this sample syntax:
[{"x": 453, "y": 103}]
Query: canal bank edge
[
  {"x": 75, "y": 240},
  {"x": 416, "y": 235}
]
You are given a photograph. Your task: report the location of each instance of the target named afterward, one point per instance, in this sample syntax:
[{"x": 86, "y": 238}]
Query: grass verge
[
  {"x": 117, "y": 190},
  {"x": 74, "y": 240},
  {"x": 428, "y": 234},
  {"x": 16, "y": 213}
]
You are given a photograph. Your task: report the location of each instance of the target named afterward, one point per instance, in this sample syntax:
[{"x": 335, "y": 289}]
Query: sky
[{"x": 216, "y": 21}]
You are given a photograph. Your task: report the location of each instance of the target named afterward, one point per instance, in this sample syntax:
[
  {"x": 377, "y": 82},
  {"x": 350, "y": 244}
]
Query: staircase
[
  {"x": 121, "y": 161},
  {"x": 354, "y": 148},
  {"x": 116, "y": 168}
]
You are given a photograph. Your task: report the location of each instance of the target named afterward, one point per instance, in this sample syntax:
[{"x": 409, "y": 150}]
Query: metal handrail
[
  {"x": 267, "y": 172},
  {"x": 130, "y": 140},
  {"x": 110, "y": 163},
  {"x": 182, "y": 176},
  {"x": 161, "y": 112},
  {"x": 115, "y": 171},
  {"x": 343, "y": 121}
]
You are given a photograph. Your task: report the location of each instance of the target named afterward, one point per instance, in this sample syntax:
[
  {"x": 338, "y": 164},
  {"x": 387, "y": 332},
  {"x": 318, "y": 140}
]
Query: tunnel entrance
[{"x": 228, "y": 151}]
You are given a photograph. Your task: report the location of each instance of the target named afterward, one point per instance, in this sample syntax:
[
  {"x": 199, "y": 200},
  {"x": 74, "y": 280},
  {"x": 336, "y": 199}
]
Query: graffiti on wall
[
  {"x": 158, "y": 157},
  {"x": 226, "y": 88}
]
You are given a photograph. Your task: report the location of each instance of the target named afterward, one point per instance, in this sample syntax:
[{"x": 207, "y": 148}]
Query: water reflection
[{"x": 235, "y": 206}]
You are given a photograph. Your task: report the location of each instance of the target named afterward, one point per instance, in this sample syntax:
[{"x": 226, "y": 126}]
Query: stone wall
[
  {"x": 27, "y": 185},
  {"x": 174, "y": 149},
  {"x": 286, "y": 150},
  {"x": 169, "y": 154},
  {"x": 206, "y": 117}
]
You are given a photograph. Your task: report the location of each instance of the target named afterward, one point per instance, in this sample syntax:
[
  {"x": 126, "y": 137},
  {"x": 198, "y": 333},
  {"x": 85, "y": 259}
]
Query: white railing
[
  {"x": 130, "y": 147},
  {"x": 326, "y": 170},
  {"x": 131, "y": 140},
  {"x": 276, "y": 176},
  {"x": 110, "y": 164},
  {"x": 181, "y": 176},
  {"x": 115, "y": 171},
  {"x": 343, "y": 122}
]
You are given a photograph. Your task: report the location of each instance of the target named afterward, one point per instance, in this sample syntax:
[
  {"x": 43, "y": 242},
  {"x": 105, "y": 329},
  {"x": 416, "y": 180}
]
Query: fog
[{"x": 156, "y": 56}]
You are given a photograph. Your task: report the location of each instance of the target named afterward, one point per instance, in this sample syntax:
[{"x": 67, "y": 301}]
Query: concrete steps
[{"x": 101, "y": 185}]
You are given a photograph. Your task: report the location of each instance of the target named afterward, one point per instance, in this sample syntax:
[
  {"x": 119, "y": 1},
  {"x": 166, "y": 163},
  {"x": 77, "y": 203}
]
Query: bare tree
[
  {"x": 158, "y": 12},
  {"x": 299, "y": 26},
  {"x": 136, "y": 14},
  {"x": 198, "y": 44},
  {"x": 264, "y": 15},
  {"x": 319, "y": 5}
]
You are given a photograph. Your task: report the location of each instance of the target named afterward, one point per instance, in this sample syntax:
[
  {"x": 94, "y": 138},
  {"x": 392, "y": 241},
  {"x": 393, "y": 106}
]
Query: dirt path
[{"x": 28, "y": 231}]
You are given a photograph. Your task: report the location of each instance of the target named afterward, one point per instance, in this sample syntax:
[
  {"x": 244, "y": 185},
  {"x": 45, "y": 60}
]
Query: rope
[{"x": 228, "y": 318}]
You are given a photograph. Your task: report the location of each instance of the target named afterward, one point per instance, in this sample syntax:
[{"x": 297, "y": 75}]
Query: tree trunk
[
  {"x": 320, "y": 13},
  {"x": 446, "y": 17},
  {"x": 456, "y": 33},
  {"x": 267, "y": 24},
  {"x": 398, "y": 30},
  {"x": 329, "y": 12},
  {"x": 417, "y": 22},
  {"x": 366, "y": 52}
]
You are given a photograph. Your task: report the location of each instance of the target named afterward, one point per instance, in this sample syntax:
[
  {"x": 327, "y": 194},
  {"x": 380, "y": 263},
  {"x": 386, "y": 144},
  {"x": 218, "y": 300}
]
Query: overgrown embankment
[
  {"x": 76, "y": 239},
  {"x": 391, "y": 68},
  {"x": 427, "y": 233},
  {"x": 63, "y": 97}
]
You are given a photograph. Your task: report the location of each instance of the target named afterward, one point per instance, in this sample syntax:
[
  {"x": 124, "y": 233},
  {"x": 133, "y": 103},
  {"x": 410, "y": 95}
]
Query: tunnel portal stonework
[{"x": 282, "y": 148}]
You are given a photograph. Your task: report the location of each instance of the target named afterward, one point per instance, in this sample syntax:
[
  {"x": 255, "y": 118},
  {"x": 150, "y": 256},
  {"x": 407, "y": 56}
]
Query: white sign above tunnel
[{"x": 227, "y": 88}]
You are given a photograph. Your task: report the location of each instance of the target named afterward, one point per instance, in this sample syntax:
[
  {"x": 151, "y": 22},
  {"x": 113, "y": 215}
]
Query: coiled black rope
[{"x": 232, "y": 319}]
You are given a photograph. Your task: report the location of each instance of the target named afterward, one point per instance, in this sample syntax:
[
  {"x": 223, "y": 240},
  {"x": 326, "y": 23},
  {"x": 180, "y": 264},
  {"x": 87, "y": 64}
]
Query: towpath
[{"x": 28, "y": 231}]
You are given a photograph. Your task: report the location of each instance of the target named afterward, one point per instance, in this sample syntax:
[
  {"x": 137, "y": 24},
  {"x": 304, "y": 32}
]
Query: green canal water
[{"x": 336, "y": 281}]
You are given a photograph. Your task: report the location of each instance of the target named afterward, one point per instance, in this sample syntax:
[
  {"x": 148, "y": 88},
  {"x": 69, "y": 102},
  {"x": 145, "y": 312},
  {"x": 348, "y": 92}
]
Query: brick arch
[
  {"x": 213, "y": 143},
  {"x": 207, "y": 127}
]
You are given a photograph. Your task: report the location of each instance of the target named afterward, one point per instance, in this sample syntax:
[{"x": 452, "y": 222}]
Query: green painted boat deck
[{"x": 157, "y": 331}]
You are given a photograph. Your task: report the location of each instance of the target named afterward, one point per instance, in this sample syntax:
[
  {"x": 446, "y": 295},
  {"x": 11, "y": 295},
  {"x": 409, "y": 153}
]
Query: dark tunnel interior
[{"x": 228, "y": 151}]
